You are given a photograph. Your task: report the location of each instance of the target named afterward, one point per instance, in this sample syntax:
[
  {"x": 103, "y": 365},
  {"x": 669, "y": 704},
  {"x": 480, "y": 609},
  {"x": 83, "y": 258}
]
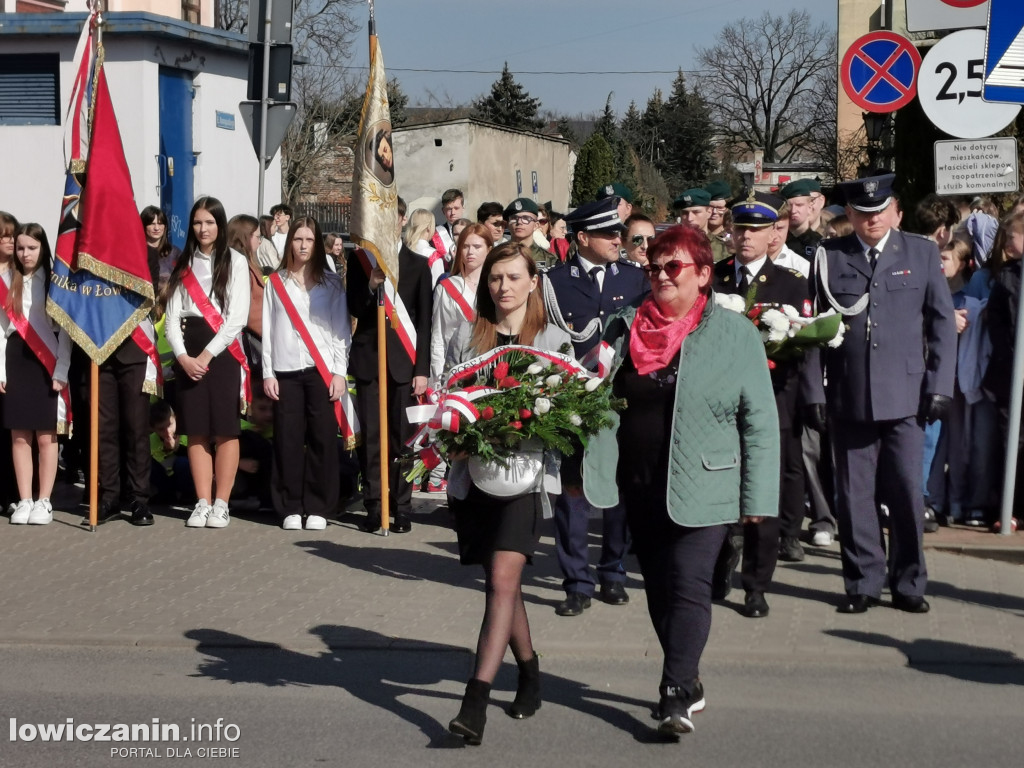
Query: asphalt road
[{"x": 391, "y": 708}]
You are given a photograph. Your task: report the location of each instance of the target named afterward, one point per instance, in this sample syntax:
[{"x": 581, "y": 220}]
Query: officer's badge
[
  {"x": 574, "y": 271},
  {"x": 614, "y": 269},
  {"x": 761, "y": 279},
  {"x": 609, "y": 190},
  {"x": 871, "y": 187},
  {"x": 687, "y": 199},
  {"x": 519, "y": 206}
]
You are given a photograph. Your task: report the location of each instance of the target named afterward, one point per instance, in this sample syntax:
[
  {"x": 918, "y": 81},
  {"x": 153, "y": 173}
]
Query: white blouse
[
  {"x": 324, "y": 310},
  {"x": 447, "y": 318},
  {"x": 180, "y": 304},
  {"x": 33, "y": 307}
]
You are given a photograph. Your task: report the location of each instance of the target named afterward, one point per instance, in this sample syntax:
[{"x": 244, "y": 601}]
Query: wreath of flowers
[
  {"x": 493, "y": 403},
  {"x": 784, "y": 332}
]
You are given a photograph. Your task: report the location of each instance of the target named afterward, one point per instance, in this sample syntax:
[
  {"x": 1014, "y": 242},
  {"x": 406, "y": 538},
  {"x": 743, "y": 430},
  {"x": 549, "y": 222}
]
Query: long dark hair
[
  {"x": 240, "y": 231},
  {"x": 485, "y": 333},
  {"x": 997, "y": 258},
  {"x": 36, "y": 232},
  {"x": 151, "y": 213},
  {"x": 221, "y": 256},
  {"x": 317, "y": 264}
]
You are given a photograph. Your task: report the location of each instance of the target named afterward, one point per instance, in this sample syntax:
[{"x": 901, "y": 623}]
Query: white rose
[
  {"x": 575, "y": 420},
  {"x": 592, "y": 383},
  {"x": 553, "y": 380},
  {"x": 534, "y": 369},
  {"x": 541, "y": 405},
  {"x": 731, "y": 302}
]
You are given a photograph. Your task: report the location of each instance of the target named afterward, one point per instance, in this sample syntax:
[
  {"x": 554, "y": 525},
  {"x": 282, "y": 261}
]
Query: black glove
[
  {"x": 815, "y": 417},
  {"x": 934, "y": 407}
]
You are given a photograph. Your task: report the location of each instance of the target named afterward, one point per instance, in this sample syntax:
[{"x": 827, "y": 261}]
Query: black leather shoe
[
  {"x": 107, "y": 511},
  {"x": 400, "y": 524},
  {"x": 141, "y": 514},
  {"x": 614, "y": 593},
  {"x": 371, "y": 524},
  {"x": 857, "y": 604},
  {"x": 574, "y": 604},
  {"x": 910, "y": 603},
  {"x": 790, "y": 550},
  {"x": 754, "y": 606},
  {"x": 931, "y": 520}
]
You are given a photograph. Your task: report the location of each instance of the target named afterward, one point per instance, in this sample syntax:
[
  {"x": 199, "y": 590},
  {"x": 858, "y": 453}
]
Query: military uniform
[
  {"x": 805, "y": 245},
  {"x": 576, "y": 301},
  {"x": 773, "y": 285},
  {"x": 895, "y": 366}
]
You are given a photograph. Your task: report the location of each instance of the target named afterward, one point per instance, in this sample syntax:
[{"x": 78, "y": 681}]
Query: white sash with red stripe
[
  {"x": 344, "y": 408},
  {"x": 43, "y": 343},
  {"x": 456, "y": 295},
  {"x": 394, "y": 308},
  {"x": 215, "y": 321},
  {"x": 144, "y": 337}
]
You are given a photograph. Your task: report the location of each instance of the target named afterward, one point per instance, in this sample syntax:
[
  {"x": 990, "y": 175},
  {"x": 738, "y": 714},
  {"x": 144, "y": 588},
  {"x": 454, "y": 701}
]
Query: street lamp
[{"x": 877, "y": 127}]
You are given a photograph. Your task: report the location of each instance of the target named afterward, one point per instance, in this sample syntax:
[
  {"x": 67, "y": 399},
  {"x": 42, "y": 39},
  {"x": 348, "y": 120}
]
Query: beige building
[{"x": 486, "y": 161}]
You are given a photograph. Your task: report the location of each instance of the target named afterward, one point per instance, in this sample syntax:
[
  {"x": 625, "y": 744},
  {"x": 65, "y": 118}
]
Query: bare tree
[{"x": 769, "y": 86}]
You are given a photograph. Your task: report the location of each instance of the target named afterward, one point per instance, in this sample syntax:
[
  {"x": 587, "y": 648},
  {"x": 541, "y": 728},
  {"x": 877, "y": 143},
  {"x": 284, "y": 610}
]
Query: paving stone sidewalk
[{"x": 253, "y": 583}]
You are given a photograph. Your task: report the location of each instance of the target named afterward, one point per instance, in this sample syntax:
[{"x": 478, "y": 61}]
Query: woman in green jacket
[{"x": 697, "y": 448}]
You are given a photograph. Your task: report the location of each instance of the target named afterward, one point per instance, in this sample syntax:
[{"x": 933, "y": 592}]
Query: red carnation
[
  {"x": 500, "y": 371},
  {"x": 487, "y": 413},
  {"x": 508, "y": 382},
  {"x": 771, "y": 365},
  {"x": 516, "y": 424},
  {"x": 525, "y": 413}
]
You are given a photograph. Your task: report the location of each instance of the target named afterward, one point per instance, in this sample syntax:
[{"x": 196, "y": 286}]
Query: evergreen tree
[
  {"x": 594, "y": 167},
  {"x": 632, "y": 127},
  {"x": 687, "y": 133},
  {"x": 567, "y": 131},
  {"x": 607, "y": 126},
  {"x": 508, "y": 104},
  {"x": 397, "y": 102}
]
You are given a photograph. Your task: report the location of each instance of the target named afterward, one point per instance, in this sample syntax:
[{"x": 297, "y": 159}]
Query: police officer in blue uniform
[
  {"x": 752, "y": 274},
  {"x": 580, "y": 293},
  {"x": 892, "y": 373}
]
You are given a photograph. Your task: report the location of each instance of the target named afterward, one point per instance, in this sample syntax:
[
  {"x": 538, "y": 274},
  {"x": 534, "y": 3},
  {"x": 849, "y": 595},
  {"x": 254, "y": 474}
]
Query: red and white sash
[
  {"x": 43, "y": 343},
  {"x": 215, "y": 321},
  {"x": 394, "y": 308},
  {"x": 456, "y": 295},
  {"x": 344, "y": 408},
  {"x": 144, "y": 337},
  {"x": 438, "y": 260}
]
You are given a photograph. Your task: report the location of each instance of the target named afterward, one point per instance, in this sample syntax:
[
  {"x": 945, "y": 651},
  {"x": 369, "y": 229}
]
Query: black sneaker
[
  {"x": 677, "y": 707},
  {"x": 931, "y": 520},
  {"x": 790, "y": 550}
]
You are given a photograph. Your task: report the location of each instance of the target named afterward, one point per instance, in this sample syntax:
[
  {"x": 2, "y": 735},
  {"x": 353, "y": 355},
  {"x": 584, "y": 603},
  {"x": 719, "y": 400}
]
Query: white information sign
[
  {"x": 950, "y": 84},
  {"x": 931, "y": 15},
  {"x": 976, "y": 166}
]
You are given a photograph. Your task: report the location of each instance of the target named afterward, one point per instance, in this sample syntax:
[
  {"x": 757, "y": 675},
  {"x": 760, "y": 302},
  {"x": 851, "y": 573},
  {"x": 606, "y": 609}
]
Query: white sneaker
[
  {"x": 219, "y": 517},
  {"x": 21, "y": 512},
  {"x": 199, "y": 515},
  {"x": 315, "y": 523},
  {"x": 41, "y": 514},
  {"x": 822, "y": 539},
  {"x": 292, "y": 523}
]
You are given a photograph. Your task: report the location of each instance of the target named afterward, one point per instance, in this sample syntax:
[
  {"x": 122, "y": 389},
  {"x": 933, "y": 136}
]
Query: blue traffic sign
[
  {"x": 1004, "y": 52},
  {"x": 879, "y": 71}
]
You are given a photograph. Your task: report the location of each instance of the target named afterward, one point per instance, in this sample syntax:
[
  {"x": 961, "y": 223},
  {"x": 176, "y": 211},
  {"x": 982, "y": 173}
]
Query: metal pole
[
  {"x": 1013, "y": 429},
  {"x": 264, "y": 103}
]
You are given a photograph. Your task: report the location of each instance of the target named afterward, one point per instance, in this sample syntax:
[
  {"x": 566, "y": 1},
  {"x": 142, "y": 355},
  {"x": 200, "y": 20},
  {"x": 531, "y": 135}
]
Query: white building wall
[
  {"x": 425, "y": 170},
  {"x": 32, "y": 168}
]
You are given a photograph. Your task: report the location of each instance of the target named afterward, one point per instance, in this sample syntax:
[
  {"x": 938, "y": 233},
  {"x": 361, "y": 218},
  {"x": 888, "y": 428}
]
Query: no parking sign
[{"x": 879, "y": 71}]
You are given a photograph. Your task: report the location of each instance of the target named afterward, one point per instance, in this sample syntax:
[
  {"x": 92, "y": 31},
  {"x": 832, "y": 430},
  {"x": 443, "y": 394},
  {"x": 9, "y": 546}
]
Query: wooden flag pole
[
  {"x": 94, "y": 444},
  {"x": 382, "y": 403}
]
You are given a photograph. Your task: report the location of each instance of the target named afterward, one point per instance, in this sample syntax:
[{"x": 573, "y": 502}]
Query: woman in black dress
[{"x": 500, "y": 533}]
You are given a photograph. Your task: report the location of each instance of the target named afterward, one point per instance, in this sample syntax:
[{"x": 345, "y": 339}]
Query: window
[{"x": 30, "y": 89}]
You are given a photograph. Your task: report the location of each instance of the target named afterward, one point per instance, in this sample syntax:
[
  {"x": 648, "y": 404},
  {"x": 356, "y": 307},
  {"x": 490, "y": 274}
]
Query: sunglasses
[
  {"x": 671, "y": 268},
  {"x": 638, "y": 240}
]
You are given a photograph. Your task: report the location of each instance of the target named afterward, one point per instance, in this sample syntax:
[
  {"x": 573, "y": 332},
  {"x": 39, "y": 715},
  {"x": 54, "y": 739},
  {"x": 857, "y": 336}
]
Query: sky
[{"x": 554, "y": 36}]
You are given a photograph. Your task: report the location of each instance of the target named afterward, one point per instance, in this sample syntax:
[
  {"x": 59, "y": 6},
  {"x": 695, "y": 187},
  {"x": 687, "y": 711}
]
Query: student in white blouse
[
  {"x": 209, "y": 284},
  {"x": 305, "y": 358}
]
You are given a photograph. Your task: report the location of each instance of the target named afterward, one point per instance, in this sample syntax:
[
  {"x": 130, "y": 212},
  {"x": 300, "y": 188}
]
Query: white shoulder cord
[
  {"x": 556, "y": 319},
  {"x": 821, "y": 270}
]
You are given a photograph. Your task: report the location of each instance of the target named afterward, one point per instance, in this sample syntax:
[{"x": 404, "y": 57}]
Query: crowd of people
[{"x": 263, "y": 357}]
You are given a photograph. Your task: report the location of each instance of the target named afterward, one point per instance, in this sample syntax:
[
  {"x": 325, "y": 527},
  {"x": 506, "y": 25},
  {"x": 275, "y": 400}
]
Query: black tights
[{"x": 505, "y": 622}]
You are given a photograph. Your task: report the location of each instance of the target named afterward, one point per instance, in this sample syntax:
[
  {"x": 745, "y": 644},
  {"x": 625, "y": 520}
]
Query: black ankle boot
[
  {"x": 469, "y": 723},
  {"x": 527, "y": 700}
]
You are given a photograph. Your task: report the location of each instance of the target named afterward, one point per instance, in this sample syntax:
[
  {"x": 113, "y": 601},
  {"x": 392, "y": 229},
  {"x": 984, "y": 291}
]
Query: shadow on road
[
  {"x": 391, "y": 682},
  {"x": 958, "y": 660}
]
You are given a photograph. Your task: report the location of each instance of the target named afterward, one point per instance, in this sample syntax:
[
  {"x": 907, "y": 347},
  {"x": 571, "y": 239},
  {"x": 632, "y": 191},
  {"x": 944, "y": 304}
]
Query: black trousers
[
  {"x": 677, "y": 564},
  {"x": 880, "y": 463},
  {"x": 305, "y": 475},
  {"x": 8, "y": 483},
  {"x": 399, "y": 397},
  {"x": 123, "y": 432}
]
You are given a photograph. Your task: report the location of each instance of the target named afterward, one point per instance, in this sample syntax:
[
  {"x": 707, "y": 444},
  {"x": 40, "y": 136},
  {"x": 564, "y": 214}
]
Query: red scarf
[{"x": 655, "y": 339}]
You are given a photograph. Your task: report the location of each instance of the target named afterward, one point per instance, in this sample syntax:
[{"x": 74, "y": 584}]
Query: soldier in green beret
[
  {"x": 694, "y": 207},
  {"x": 720, "y": 193},
  {"x": 523, "y": 216},
  {"x": 805, "y": 200}
]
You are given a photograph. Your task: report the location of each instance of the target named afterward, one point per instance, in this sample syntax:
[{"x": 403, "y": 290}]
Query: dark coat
[
  {"x": 414, "y": 288},
  {"x": 773, "y": 285},
  {"x": 1002, "y": 328},
  {"x": 900, "y": 347},
  {"x": 580, "y": 302}
]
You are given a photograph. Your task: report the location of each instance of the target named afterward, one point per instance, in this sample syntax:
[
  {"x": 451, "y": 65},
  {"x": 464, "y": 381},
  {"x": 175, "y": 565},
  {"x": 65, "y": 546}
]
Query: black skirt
[
  {"x": 210, "y": 406},
  {"x": 31, "y": 402},
  {"x": 487, "y": 524}
]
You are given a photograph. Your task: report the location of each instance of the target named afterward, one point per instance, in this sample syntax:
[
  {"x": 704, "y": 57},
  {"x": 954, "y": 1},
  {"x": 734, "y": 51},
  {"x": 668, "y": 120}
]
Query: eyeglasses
[
  {"x": 716, "y": 208},
  {"x": 638, "y": 240},
  {"x": 671, "y": 268},
  {"x": 542, "y": 221},
  {"x": 522, "y": 220}
]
